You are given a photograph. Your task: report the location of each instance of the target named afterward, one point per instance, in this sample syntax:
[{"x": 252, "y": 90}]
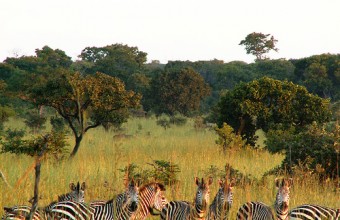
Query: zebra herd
[{"x": 139, "y": 203}]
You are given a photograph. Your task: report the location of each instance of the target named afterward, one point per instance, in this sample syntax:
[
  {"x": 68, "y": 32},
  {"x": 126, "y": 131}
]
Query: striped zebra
[
  {"x": 69, "y": 210},
  {"x": 222, "y": 202},
  {"x": 150, "y": 197},
  {"x": 122, "y": 207},
  {"x": 261, "y": 211},
  {"x": 77, "y": 194},
  {"x": 311, "y": 212},
  {"x": 185, "y": 210}
]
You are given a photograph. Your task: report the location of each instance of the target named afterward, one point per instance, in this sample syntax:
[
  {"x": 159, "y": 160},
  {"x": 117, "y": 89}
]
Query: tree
[
  {"x": 259, "y": 44},
  {"x": 41, "y": 147},
  {"x": 116, "y": 60},
  {"x": 177, "y": 91},
  {"x": 315, "y": 147},
  {"x": 264, "y": 103},
  {"x": 86, "y": 101},
  {"x": 317, "y": 81}
]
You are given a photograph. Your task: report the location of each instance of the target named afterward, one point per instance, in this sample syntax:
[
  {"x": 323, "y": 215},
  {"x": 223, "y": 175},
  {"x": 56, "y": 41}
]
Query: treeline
[
  {"x": 284, "y": 98},
  {"x": 320, "y": 74}
]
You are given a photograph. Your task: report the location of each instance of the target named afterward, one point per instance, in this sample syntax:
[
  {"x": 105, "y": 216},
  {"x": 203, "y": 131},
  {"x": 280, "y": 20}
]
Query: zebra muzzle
[{"x": 133, "y": 206}]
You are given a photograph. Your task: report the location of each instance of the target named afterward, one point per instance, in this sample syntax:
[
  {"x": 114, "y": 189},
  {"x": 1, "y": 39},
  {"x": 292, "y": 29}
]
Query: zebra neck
[
  {"x": 281, "y": 211},
  {"x": 146, "y": 201},
  {"x": 199, "y": 211}
]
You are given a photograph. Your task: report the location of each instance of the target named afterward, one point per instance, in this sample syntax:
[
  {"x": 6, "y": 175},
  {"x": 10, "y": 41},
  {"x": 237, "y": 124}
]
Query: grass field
[{"x": 103, "y": 153}]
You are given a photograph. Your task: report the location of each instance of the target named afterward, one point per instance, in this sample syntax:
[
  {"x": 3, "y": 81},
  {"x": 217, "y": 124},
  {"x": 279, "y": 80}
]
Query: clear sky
[{"x": 170, "y": 29}]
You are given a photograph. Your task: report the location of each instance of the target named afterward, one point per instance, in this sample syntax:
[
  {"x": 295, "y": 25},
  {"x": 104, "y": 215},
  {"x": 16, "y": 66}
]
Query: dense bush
[{"x": 314, "y": 147}]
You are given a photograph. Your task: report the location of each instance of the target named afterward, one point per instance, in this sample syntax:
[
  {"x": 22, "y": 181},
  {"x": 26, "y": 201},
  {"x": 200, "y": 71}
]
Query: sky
[{"x": 170, "y": 29}]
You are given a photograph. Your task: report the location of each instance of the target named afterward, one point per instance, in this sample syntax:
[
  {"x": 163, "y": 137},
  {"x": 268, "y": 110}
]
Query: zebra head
[
  {"x": 282, "y": 197},
  {"x": 131, "y": 196},
  {"x": 202, "y": 195},
  {"x": 160, "y": 200},
  {"x": 77, "y": 193},
  {"x": 225, "y": 194}
]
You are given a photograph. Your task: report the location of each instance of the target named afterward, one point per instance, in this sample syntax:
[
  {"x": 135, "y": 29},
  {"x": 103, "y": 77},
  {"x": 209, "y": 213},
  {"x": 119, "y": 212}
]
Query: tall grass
[{"x": 103, "y": 153}]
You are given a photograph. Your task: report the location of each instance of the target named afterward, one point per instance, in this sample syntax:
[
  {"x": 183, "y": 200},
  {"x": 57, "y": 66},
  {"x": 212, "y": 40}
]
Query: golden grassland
[{"x": 103, "y": 153}]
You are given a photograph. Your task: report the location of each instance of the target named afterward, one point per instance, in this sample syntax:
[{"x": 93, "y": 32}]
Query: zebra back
[
  {"x": 282, "y": 197},
  {"x": 311, "y": 212},
  {"x": 121, "y": 207},
  {"x": 222, "y": 202},
  {"x": 20, "y": 212},
  {"x": 150, "y": 197},
  {"x": 185, "y": 210},
  {"x": 76, "y": 194},
  {"x": 70, "y": 210},
  {"x": 254, "y": 211}
]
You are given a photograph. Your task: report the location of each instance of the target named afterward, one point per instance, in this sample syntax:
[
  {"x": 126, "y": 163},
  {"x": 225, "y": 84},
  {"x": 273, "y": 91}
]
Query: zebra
[
  {"x": 77, "y": 194},
  {"x": 69, "y": 210},
  {"x": 261, "y": 211},
  {"x": 311, "y": 212},
  {"x": 185, "y": 210},
  {"x": 222, "y": 202},
  {"x": 150, "y": 197},
  {"x": 122, "y": 207}
]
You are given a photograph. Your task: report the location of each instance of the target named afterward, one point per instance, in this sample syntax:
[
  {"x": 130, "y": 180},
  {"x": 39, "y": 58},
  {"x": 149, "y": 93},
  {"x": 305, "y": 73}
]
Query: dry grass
[{"x": 103, "y": 153}]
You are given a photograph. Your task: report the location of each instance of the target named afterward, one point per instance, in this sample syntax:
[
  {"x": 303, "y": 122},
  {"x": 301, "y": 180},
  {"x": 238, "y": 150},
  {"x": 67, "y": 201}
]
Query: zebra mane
[{"x": 157, "y": 184}]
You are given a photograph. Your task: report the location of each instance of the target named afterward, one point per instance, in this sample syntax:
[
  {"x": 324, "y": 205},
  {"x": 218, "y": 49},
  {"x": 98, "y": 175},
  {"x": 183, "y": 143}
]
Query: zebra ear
[
  {"x": 197, "y": 181},
  {"x": 210, "y": 181},
  {"x": 83, "y": 186},
  {"x": 220, "y": 182},
  {"x": 277, "y": 182},
  {"x": 72, "y": 187}
]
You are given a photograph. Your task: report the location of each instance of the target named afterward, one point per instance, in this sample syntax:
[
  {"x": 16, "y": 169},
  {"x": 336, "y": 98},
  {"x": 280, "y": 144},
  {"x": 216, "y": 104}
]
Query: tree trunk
[
  {"x": 76, "y": 146},
  {"x": 36, "y": 189},
  {"x": 37, "y": 179}
]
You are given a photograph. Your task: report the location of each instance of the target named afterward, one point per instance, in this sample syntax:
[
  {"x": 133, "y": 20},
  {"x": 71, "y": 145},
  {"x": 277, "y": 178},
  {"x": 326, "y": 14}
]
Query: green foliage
[
  {"x": 86, "y": 101},
  {"x": 230, "y": 173},
  {"x": 320, "y": 74},
  {"x": 262, "y": 103},
  {"x": 165, "y": 172},
  {"x": 163, "y": 121},
  {"x": 35, "y": 121},
  {"x": 162, "y": 171},
  {"x": 314, "y": 147},
  {"x": 177, "y": 91},
  {"x": 227, "y": 139},
  {"x": 52, "y": 144},
  {"x": 58, "y": 123},
  {"x": 258, "y": 44},
  {"x": 116, "y": 60},
  {"x": 5, "y": 113},
  {"x": 178, "y": 119}
]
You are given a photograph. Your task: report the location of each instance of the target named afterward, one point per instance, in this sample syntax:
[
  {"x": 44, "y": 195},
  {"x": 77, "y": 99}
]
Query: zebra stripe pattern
[
  {"x": 150, "y": 197},
  {"x": 261, "y": 211},
  {"x": 20, "y": 212},
  {"x": 185, "y": 210},
  {"x": 282, "y": 197},
  {"x": 254, "y": 211},
  {"x": 122, "y": 207},
  {"x": 222, "y": 202},
  {"x": 311, "y": 212},
  {"x": 70, "y": 210},
  {"x": 77, "y": 194}
]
